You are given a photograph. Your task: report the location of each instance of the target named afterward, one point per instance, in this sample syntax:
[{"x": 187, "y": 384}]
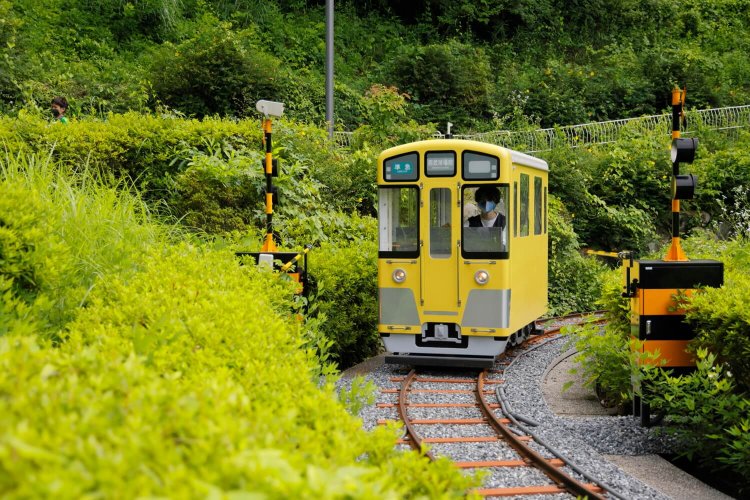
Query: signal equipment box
[{"x": 657, "y": 320}]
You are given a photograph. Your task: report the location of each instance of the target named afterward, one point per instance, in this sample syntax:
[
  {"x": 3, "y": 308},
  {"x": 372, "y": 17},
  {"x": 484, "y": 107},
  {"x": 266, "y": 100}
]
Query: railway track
[{"x": 464, "y": 409}]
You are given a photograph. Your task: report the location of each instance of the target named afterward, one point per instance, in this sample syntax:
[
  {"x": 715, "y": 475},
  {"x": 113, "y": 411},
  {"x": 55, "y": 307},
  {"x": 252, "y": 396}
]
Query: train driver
[{"x": 488, "y": 200}]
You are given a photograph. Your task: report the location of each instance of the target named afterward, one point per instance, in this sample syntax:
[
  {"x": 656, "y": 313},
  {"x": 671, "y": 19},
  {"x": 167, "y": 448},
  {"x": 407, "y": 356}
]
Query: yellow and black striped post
[
  {"x": 675, "y": 252},
  {"x": 269, "y": 245}
]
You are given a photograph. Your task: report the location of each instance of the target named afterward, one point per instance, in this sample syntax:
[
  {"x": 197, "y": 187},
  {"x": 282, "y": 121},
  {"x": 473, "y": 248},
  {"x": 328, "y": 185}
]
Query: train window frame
[
  {"x": 408, "y": 254},
  {"x": 537, "y": 205},
  {"x": 545, "y": 209},
  {"x": 523, "y": 214},
  {"x": 437, "y": 225},
  {"x": 443, "y": 152},
  {"x": 476, "y": 178},
  {"x": 417, "y": 168},
  {"x": 505, "y": 194},
  {"x": 515, "y": 209}
]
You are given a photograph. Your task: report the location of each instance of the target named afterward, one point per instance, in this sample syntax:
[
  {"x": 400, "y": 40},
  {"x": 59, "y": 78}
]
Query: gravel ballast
[{"x": 581, "y": 439}]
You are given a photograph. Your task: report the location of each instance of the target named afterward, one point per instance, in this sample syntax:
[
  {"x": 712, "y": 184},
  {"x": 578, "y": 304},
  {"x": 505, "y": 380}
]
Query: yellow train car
[{"x": 462, "y": 260}]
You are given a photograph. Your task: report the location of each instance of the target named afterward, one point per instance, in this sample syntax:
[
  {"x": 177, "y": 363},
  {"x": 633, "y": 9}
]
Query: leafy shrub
[
  {"x": 720, "y": 316},
  {"x": 436, "y": 78},
  {"x": 188, "y": 380},
  {"x": 708, "y": 413},
  {"x": 574, "y": 280},
  {"x": 348, "y": 296},
  {"x": 604, "y": 362},
  {"x": 185, "y": 374},
  {"x": 217, "y": 70},
  {"x": 59, "y": 235}
]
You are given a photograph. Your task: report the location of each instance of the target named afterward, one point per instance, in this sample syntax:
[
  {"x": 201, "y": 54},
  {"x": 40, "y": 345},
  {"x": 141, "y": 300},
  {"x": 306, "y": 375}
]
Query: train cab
[{"x": 462, "y": 260}]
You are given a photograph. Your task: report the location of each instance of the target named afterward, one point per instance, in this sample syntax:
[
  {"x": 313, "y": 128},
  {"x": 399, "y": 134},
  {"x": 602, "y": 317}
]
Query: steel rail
[
  {"x": 560, "y": 478},
  {"x": 414, "y": 440}
]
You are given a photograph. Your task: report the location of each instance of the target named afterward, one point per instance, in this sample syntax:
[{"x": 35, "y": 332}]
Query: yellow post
[{"x": 268, "y": 245}]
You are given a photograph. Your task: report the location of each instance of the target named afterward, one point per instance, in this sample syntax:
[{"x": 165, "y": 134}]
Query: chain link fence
[{"x": 534, "y": 141}]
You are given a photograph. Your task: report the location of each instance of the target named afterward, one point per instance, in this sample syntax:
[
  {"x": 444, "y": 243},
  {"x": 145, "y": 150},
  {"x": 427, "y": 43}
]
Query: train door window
[
  {"x": 537, "y": 205},
  {"x": 515, "y": 209},
  {"x": 398, "y": 221},
  {"x": 545, "y": 209},
  {"x": 485, "y": 235},
  {"x": 524, "y": 205},
  {"x": 440, "y": 223}
]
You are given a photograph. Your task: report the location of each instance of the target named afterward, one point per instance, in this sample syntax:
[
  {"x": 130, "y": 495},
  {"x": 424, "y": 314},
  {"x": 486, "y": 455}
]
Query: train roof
[{"x": 517, "y": 157}]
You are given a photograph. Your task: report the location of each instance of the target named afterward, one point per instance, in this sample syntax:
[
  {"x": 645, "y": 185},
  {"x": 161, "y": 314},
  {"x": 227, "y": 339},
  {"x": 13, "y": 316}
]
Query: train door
[{"x": 439, "y": 258}]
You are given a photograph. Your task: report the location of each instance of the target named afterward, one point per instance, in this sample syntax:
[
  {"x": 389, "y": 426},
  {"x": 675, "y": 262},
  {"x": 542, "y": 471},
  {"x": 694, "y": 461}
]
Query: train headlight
[
  {"x": 399, "y": 275},
  {"x": 481, "y": 277}
]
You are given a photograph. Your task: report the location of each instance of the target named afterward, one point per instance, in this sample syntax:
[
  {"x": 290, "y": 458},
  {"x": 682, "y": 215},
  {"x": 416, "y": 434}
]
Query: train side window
[
  {"x": 537, "y": 205},
  {"x": 515, "y": 209},
  {"x": 545, "y": 209},
  {"x": 485, "y": 235},
  {"x": 440, "y": 223},
  {"x": 524, "y": 205},
  {"x": 398, "y": 221}
]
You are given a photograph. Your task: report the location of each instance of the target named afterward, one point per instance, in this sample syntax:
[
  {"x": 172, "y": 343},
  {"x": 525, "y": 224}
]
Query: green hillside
[{"x": 478, "y": 64}]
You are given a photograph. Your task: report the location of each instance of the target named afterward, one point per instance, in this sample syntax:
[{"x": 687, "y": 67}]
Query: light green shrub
[{"x": 348, "y": 297}]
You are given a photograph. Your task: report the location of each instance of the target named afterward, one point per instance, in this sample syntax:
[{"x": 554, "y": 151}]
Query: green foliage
[
  {"x": 347, "y": 279},
  {"x": 438, "y": 80},
  {"x": 186, "y": 374},
  {"x": 60, "y": 235},
  {"x": 708, "y": 412},
  {"x": 387, "y": 125},
  {"x": 604, "y": 361},
  {"x": 574, "y": 280},
  {"x": 720, "y": 315},
  {"x": 216, "y": 70}
]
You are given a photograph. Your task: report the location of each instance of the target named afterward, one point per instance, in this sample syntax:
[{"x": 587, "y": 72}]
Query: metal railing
[{"x": 534, "y": 141}]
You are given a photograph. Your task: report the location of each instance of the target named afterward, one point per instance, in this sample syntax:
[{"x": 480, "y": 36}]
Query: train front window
[
  {"x": 485, "y": 223},
  {"x": 440, "y": 223},
  {"x": 398, "y": 221}
]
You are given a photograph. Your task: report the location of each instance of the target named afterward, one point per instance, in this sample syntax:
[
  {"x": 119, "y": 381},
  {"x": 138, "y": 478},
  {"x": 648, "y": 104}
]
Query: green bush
[
  {"x": 719, "y": 315},
  {"x": 346, "y": 273},
  {"x": 708, "y": 413},
  {"x": 574, "y": 280},
  {"x": 59, "y": 235},
  {"x": 217, "y": 70},
  {"x": 185, "y": 374},
  {"x": 438, "y": 80}
]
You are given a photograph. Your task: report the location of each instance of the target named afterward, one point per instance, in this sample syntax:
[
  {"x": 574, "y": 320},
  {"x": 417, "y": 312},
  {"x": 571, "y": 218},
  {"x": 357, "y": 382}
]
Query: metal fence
[{"x": 534, "y": 141}]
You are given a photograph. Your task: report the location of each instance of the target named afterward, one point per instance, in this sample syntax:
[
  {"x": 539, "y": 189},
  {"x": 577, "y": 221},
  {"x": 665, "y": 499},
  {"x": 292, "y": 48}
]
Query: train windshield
[
  {"x": 485, "y": 227},
  {"x": 398, "y": 221}
]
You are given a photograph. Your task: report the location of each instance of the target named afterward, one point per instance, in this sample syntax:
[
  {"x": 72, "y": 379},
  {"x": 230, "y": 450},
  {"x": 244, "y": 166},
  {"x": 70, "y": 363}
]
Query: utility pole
[{"x": 329, "y": 67}]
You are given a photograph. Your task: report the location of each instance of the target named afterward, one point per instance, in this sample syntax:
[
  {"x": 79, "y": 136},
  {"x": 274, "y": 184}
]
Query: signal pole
[{"x": 329, "y": 67}]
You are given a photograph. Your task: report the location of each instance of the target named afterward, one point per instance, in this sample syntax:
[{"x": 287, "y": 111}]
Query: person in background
[{"x": 58, "y": 108}]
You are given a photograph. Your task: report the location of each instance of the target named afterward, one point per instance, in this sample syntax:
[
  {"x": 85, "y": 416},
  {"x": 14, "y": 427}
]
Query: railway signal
[
  {"x": 269, "y": 255},
  {"x": 657, "y": 320}
]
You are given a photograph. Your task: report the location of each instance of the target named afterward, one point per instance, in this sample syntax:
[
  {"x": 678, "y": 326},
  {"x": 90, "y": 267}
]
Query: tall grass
[{"x": 62, "y": 231}]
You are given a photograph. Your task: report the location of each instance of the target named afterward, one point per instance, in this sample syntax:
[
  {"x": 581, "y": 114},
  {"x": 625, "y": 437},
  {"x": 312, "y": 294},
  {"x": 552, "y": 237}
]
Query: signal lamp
[
  {"x": 683, "y": 187},
  {"x": 399, "y": 275},
  {"x": 683, "y": 149}
]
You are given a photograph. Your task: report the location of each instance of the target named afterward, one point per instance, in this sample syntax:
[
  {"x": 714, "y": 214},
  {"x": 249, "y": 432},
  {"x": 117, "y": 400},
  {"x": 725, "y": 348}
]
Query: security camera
[{"x": 271, "y": 108}]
